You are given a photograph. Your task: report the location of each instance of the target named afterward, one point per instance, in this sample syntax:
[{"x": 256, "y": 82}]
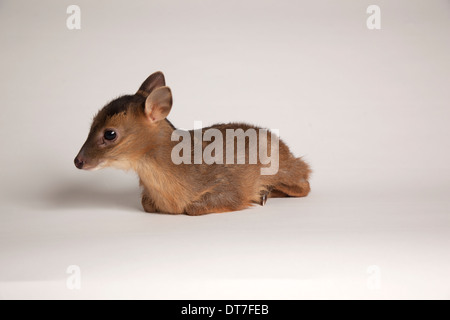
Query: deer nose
[{"x": 78, "y": 162}]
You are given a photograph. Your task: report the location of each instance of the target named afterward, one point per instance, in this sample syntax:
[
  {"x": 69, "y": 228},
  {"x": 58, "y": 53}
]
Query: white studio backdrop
[{"x": 367, "y": 108}]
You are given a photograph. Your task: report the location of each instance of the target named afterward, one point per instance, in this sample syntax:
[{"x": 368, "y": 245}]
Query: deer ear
[
  {"x": 154, "y": 81},
  {"x": 158, "y": 104}
]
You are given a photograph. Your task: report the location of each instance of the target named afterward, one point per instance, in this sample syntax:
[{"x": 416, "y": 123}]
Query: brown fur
[{"x": 144, "y": 145}]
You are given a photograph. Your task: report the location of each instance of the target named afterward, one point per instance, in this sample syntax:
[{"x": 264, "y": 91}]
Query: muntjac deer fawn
[{"x": 133, "y": 133}]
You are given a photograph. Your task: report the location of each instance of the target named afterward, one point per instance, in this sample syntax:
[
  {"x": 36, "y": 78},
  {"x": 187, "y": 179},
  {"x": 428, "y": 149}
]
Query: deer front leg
[{"x": 148, "y": 204}]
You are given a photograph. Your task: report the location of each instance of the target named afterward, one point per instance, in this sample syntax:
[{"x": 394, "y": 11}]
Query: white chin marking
[
  {"x": 121, "y": 165},
  {"x": 101, "y": 165}
]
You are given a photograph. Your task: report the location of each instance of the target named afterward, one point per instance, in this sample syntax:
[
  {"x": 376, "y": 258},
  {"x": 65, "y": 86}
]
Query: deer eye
[{"x": 110, "y": 135}]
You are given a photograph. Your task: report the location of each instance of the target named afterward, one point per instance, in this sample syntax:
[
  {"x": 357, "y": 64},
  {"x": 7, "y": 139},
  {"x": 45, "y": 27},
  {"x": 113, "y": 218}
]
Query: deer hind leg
[
  {"x": 282, "y": 190},
  {"x": 299, "y": 189},
  {"x": 293, "y": 180},
  {"x": 277, "y": 194},
  {"x": 217, "y": 202}
]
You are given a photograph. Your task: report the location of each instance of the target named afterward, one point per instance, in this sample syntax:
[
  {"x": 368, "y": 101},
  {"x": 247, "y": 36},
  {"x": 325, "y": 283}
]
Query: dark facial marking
[
  {"x": 116, "y": 106},
  {"x": 121, "y": 104}
]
